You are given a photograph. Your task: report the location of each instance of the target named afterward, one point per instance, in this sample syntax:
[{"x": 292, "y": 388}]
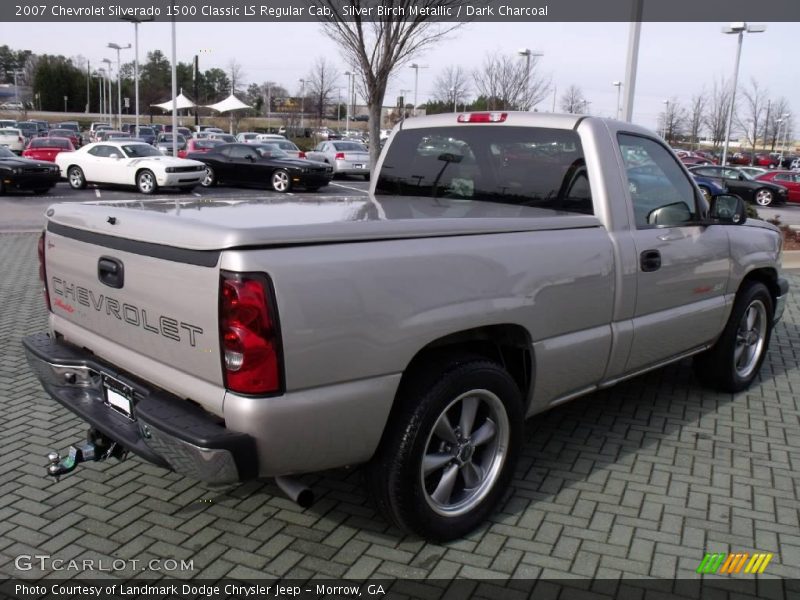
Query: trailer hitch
[{"x": 96, "y": 448}]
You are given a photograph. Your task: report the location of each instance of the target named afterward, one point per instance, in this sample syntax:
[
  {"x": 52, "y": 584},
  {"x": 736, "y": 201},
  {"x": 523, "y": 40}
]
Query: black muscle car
[{"x": 18, "y": 173}]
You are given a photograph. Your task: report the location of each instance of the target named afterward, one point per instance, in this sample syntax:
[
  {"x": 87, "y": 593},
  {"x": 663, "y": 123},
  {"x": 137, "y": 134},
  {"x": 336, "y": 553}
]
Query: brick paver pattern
[{"x": 637, "y": 481}]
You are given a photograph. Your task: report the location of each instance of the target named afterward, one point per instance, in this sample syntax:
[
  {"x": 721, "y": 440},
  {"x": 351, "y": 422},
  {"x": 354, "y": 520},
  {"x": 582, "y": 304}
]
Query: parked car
[
  {"x": 709, "y": 187},
  {"x": 198, "y": 145},
  {"x": 73, "y": 137},
  {"x": 788, "y": 179},
  {"x": 47, "y": 148},
  {"x": 164, "y": 143},
  {"x": 246, "y": 137},
  {"x": 6, "y": 123},
  {"x": 29, "y": 130},
  {"x": 42, "y": 126},
  {"x": 740, "y": 183},
  {"x": 184, "y": 131},
  {"x": 73, "y": 125},
  {"x": 412, "y": 330},
  {"x": 225, "y": 138},
  {"x": 12, "y": 105},
  {"x": 795, "y": 164},
  {"x": 289, "y": 147},
  {"x": 269, "y": 137},
  {"x": 130, "y": 164},
  {"x": 13, "y": 139},
  {"x": 103, "y": 134},
  {"x": 692, "y": 160},
  {"x": 94, "y": 136},
  {"x": 763, "y": 159},
  {"x": 740, "y": 158},
  {"x": 346, "y": 157},
  {"x": 144, "y": 132},
  {"x": 256, "y": 164},
  {"x": 17, "y": 173}
]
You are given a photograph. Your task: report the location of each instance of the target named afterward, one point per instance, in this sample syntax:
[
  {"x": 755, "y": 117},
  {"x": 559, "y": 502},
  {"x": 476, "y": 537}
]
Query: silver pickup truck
[{"x": 503, "y": 263}]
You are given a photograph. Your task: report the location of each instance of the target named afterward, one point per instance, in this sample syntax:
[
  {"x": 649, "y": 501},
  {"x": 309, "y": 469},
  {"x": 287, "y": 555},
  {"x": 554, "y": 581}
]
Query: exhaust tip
[{"x": 296, "y": 490}]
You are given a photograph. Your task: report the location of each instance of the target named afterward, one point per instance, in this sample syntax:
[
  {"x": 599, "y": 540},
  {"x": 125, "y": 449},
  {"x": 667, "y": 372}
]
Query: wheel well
[
  {"x": 767, "y": 276},
  {"x": 509, "y": 345}
]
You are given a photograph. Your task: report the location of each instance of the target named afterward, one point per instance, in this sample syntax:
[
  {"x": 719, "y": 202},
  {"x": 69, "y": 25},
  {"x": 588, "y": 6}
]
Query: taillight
[
  {"x": 249, "y": 339},
  {"x": 483, "y": 117},
  {"x": 301, "y": 154},
  {"x": 339, "y": 156},
  {"x": 43, "y": 270}
]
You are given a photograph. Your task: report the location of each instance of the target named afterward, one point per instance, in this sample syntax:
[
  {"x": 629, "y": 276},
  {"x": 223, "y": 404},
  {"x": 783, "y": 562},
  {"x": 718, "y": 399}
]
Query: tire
[
  {"x": 427, "y": 477},
  {"x": 146, "y": 182},
  {"x": 734, "y": 361},
  {"x": 280, "y": 181},
  {"x": 210, "y": 180},
  {"x": 76, "y": 178},
  {"x": 764, "y": 197},
  {"x": 706, "y": 193}
]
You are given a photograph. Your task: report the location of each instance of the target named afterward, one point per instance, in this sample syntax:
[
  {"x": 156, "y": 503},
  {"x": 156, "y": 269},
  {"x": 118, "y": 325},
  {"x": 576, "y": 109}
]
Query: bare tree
[
  {"x": 378, "y": 45},
  {"x": 672, "y": 120},
  {"x": 751, "y": 113},
  {"x": 451, "y": 86},
  {"x": 504, "y": 83},
  {"x": 719, "y": 104},
  {"x": 573, "y": 101},
  {"x": 236, "y": 75},
  {"x": 697, "y": 111},
  {"x": 777, "y": 121},
  {"x": 320, "y": 85}
]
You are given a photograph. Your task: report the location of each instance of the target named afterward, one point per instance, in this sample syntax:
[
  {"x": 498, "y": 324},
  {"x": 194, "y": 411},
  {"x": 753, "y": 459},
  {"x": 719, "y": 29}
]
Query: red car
[
  {"x": 73, "y": 137},
  {"x": 788, "y": 179},
  {"x": 201, "y": 145},
  {"x": 46, "y": 148},
  {"x": 765, "y": 160}
]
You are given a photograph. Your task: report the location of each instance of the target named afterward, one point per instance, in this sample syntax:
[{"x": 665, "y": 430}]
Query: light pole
[
  {"x": 16, "y": 88},
  {"x": 65, "y": 103},
  {"x": 347, "y": 108},
  {"x": 618, "y": 85},
  {"x": 416, "y": 68},
  {"x": 302, "y": 104},
  {"x": 666, "y": 119},
  {"x": 136, "y": 22},
  {"x": 174, "y": 91},
  {"x": 402, "y": 108},
  {"x": 338, "y": 106},
  {"x": 117, "y": 47},
  {"x": 109, "y": 101},
  {"x": 782, "y": 121},
  {"x": 101, "y": 84},
  {"x": 527, "y": 53},
  {"x": 269, "y": 104},
  {"x": 739, "y": 29}
]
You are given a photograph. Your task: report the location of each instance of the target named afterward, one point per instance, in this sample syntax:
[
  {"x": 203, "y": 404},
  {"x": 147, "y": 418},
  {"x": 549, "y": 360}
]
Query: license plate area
[
  {"x": 118, "y": 396},
  {"x": 358, "y": 166}
]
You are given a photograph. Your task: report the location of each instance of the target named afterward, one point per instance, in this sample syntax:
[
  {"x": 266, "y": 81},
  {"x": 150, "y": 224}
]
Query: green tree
[{"x": 56, "y": 77}]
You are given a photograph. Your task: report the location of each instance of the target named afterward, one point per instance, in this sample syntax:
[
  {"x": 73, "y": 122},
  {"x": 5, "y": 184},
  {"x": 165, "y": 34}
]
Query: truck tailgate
[{"x": 150, "y": 309}]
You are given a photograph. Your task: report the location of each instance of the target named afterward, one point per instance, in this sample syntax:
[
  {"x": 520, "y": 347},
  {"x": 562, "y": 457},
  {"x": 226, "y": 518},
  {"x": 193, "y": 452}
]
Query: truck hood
[{"x": 217, "y": 224}]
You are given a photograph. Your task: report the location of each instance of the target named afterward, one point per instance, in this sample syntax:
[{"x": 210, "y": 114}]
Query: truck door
[{"x": 683, "y": 266}]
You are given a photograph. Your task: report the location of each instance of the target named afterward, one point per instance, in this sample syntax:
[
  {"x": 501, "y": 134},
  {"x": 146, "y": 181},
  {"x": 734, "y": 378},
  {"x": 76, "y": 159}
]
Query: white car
[
  {"x": 289, "y": 147},
  {"x": 246, "y": 137},
  {"x": 128, "y": 163},
  {"x": 13, "y": 138}
]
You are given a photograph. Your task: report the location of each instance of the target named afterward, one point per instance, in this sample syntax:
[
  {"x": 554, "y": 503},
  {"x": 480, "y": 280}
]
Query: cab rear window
[{"x": 525, "y": 166}]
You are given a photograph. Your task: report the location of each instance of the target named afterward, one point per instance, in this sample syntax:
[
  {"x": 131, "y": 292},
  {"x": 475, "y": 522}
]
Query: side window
[
  {"x": 102, "y": 151},
  {"x": 241, "y": 152},
  {"x": 662, "y": 195}
]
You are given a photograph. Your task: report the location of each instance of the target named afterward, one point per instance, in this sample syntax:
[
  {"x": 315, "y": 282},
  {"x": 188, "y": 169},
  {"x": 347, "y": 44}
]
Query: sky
[{"x": 676, "y": 60}]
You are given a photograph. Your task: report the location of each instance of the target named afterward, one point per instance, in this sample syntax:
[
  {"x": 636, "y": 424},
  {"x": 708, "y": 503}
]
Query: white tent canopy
[
  {"x": 181, "y": 102},
  {"x": 229, "y": 104}
]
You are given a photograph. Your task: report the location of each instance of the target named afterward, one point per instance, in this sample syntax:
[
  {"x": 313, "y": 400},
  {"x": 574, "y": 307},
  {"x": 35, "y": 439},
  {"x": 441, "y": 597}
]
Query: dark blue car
[{"x": 146, "y": 133}]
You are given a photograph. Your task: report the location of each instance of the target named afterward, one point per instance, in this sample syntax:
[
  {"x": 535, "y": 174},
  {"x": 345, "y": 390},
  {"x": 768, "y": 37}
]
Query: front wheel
[
  {"x": 210, "y": 179},
  {"x": 146, "y": 182},
  {"x": 76, "y": 178},
  {"x": 449, "y": 451},
  {"x": 734, "y": 361},
  {"x": 764, "y": 197},
  {"x": 280, "y": 181}
]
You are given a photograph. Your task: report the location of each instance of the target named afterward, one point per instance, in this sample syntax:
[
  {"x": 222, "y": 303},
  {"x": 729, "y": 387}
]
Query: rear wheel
[
  {"x": 449, "y": 450},
  {"x": 280, "y": 181},
  {"x": 764, "y": 197},
  {"x": 76, "y": 178},
  {"x": 734, "y": 361},
  {"x": 146, "y": 182}
]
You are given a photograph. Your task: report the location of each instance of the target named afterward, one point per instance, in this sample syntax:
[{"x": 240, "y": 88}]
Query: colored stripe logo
[{"x": 730, "y": 564}]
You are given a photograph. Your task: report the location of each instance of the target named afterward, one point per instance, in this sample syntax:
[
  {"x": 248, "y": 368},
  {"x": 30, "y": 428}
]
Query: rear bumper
[
  {"x": 165, "y": 430},
  {"x": 780, "y": 300}
]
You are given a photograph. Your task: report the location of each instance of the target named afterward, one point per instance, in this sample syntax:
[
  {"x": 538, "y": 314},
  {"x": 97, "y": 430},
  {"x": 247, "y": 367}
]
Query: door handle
[
  {"x": 650, "y": 260},
  {"x": 111, "y": 272}
]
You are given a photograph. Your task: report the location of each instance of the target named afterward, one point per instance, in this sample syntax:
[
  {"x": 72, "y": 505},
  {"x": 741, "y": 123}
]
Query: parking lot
[{"x": 638, "y": 481}]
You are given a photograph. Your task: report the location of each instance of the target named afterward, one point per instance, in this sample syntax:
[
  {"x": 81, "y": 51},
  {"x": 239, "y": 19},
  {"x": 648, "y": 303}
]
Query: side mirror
[{"x": 728, "y": 209}]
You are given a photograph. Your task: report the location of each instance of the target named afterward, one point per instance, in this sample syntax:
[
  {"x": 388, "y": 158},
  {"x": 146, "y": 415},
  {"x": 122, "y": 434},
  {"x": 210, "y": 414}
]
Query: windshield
[
  {"x": 140, "y": 150},
  {"x": 524, "y": 166},
  {"x": 146, "y": 131},
  {"x": 207, "y": 144},
  {"x": 350, "y": 147},
  {"x": 167, "y": 138}
]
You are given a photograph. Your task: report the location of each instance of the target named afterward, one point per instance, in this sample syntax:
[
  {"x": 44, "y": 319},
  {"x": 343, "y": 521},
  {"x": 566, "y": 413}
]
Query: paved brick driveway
[{"x": 637, "y": 481}]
